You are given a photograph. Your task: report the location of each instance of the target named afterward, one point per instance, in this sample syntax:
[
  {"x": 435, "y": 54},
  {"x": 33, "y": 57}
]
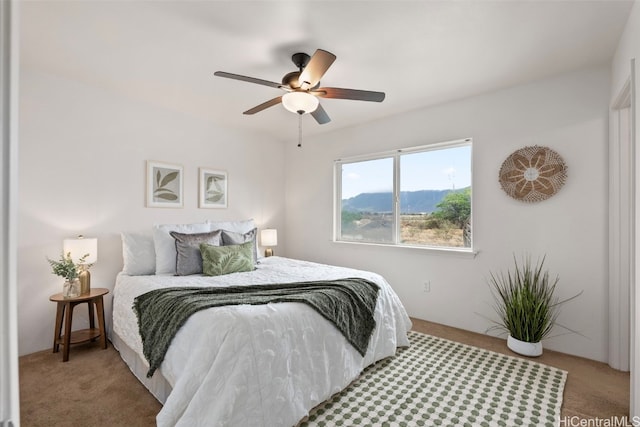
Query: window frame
[{"x": 396, "y": 154}]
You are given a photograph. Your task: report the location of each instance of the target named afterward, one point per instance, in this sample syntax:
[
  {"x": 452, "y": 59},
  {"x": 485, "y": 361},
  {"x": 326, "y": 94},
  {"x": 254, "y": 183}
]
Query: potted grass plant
[{"x": 526, "y": 304}]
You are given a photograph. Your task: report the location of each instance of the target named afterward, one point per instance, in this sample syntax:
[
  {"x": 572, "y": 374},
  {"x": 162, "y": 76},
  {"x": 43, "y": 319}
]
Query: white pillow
[
  {"x": 138, "y": 254},
  {"x": 165, "y": 245},
  {"x": 242, "y": 227}
]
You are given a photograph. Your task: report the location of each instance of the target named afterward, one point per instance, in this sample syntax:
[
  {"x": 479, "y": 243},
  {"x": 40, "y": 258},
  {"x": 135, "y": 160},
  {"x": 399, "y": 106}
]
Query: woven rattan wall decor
[{"x": 532, "y": 174}]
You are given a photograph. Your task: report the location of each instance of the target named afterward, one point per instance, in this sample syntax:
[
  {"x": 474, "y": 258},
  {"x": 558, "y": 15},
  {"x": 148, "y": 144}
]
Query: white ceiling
[{"x": 419, "y": 53}]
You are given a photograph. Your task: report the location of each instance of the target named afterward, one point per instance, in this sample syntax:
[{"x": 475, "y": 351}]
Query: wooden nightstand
[{"x": 65, "y": 312}]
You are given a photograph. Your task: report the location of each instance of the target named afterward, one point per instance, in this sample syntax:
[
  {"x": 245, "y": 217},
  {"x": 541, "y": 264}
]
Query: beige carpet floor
[{"x": 95, "y": 388}]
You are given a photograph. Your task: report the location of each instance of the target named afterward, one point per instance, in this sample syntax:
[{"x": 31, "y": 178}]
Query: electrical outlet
[{"x": 427, "y": 286}]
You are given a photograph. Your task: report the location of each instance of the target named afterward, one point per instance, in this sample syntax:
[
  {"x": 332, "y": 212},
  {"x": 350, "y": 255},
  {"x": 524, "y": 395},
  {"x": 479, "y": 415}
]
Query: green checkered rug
[{"x": 440, "y": 382}]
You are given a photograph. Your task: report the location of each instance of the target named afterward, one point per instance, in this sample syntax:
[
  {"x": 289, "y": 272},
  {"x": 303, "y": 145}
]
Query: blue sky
[{"x": 428, "y": 170}]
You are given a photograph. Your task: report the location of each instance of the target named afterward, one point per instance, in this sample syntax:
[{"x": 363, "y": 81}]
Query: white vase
[{"x": 531, "y": 349}]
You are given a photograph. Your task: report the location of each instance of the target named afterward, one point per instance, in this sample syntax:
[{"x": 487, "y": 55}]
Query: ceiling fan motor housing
[{"x": 291, "y": 79}]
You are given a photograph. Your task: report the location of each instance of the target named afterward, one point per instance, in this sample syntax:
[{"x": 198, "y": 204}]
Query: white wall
[
  {"x": 567, "y": 113},
  {"x": 82, "y": 159},
  {"x": 82, "y": 171}
]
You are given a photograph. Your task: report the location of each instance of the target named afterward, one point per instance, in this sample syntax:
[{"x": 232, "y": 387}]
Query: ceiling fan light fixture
[{"x": 300, "y": 102}]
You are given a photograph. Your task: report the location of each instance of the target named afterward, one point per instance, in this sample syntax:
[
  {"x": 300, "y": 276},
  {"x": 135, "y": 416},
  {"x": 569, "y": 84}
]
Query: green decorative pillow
[
  {"x": 232, "y": 238},
  {"x": 219, "y": 260}
]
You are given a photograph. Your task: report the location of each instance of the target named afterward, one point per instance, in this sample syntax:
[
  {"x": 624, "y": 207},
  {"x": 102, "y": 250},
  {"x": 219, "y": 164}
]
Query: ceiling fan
[{"x": 303, "y": 89}]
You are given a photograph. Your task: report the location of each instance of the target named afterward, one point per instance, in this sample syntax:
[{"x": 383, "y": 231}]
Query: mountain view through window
[{"x": 415, "y": 197}]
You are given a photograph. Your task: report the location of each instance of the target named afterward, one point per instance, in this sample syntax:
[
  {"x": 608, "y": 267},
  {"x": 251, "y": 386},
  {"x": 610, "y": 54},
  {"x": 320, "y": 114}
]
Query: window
[{"x": 419, "y": 196}]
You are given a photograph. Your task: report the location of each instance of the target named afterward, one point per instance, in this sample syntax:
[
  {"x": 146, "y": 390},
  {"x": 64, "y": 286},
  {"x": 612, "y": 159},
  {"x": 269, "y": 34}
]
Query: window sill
[{"x": 435, "y": 250}]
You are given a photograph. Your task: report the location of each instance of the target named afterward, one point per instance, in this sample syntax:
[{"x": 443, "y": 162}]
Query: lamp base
[
  {"x": 268, "y": 252},
  {"x": 85, "y": 282}
]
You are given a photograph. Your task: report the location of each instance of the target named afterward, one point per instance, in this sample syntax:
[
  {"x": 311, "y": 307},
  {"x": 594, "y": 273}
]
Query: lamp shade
[
  {"x": 80, "y": 247},
  {"x": 269, "y": 237},
  {"x": 300, "y": 102}
]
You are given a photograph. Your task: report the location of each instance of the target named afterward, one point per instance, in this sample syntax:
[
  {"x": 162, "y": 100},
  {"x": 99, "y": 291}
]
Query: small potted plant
[
  {"x": 65, "y": 267},
  {"x": 526, "y": 304}
]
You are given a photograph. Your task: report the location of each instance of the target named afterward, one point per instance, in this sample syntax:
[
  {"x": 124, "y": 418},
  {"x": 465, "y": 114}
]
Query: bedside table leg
[
  {"x": 67, "y": 332},
  {"x": 58, "y": 329},
  {"x": 92, "y": 323},
  {"x": 103, "y": 333}
]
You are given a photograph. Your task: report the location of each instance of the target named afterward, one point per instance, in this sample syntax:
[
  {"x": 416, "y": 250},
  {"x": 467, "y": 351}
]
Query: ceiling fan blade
[
  {"x": 315, "y": 69},
  {"x": 248, "y": 79},
  {"x": 358, "y": 95},
  {"x": 320, "y": 115},
  {"x": 264, "y": 105}
]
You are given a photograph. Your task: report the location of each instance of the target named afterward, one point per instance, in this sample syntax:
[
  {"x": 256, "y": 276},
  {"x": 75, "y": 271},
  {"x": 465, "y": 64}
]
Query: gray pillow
[
  {"x": 188, "y": 256},
  {"x": 219, "y": 260},
  {"x": 233, "y": 238}
]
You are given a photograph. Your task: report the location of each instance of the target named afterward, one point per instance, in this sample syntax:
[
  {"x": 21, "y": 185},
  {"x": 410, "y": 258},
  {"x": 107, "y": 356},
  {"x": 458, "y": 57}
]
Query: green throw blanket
[{"x": 347, "y": 303}]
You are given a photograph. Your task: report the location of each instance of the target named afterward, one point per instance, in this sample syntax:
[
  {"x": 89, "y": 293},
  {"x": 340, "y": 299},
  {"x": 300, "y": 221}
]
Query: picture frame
[
  {"x": 164, "y": 188},
  {"x": 213, "y": 188}
]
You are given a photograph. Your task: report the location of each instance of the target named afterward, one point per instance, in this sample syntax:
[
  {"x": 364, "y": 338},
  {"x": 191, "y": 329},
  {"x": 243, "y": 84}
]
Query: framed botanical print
[
  {"x": 213, "y": 188},
  {"x": 164, "y": 185}
]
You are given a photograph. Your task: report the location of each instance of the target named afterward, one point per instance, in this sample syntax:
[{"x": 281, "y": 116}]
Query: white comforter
[{"x": 264, "y": 365}]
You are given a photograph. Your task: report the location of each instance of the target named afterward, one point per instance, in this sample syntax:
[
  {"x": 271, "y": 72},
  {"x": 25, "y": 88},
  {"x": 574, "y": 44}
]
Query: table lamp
[
  {"x": 84, "y": 252},
  {"x": 269, "y": 238}
]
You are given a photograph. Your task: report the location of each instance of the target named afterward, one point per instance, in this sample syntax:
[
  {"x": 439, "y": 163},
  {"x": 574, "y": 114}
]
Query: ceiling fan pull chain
[{"x": 300, "y": 129}]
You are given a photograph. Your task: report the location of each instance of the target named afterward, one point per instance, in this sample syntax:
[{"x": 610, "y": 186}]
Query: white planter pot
[{"x": 531, "y": 349}]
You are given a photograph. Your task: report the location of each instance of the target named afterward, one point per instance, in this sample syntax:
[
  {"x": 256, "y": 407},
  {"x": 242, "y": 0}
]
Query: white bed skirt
[{"x": 157, "y": 385}]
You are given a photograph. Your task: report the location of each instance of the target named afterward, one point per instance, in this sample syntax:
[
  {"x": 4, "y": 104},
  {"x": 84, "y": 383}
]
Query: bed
[{"x": 252, "y": 365}]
